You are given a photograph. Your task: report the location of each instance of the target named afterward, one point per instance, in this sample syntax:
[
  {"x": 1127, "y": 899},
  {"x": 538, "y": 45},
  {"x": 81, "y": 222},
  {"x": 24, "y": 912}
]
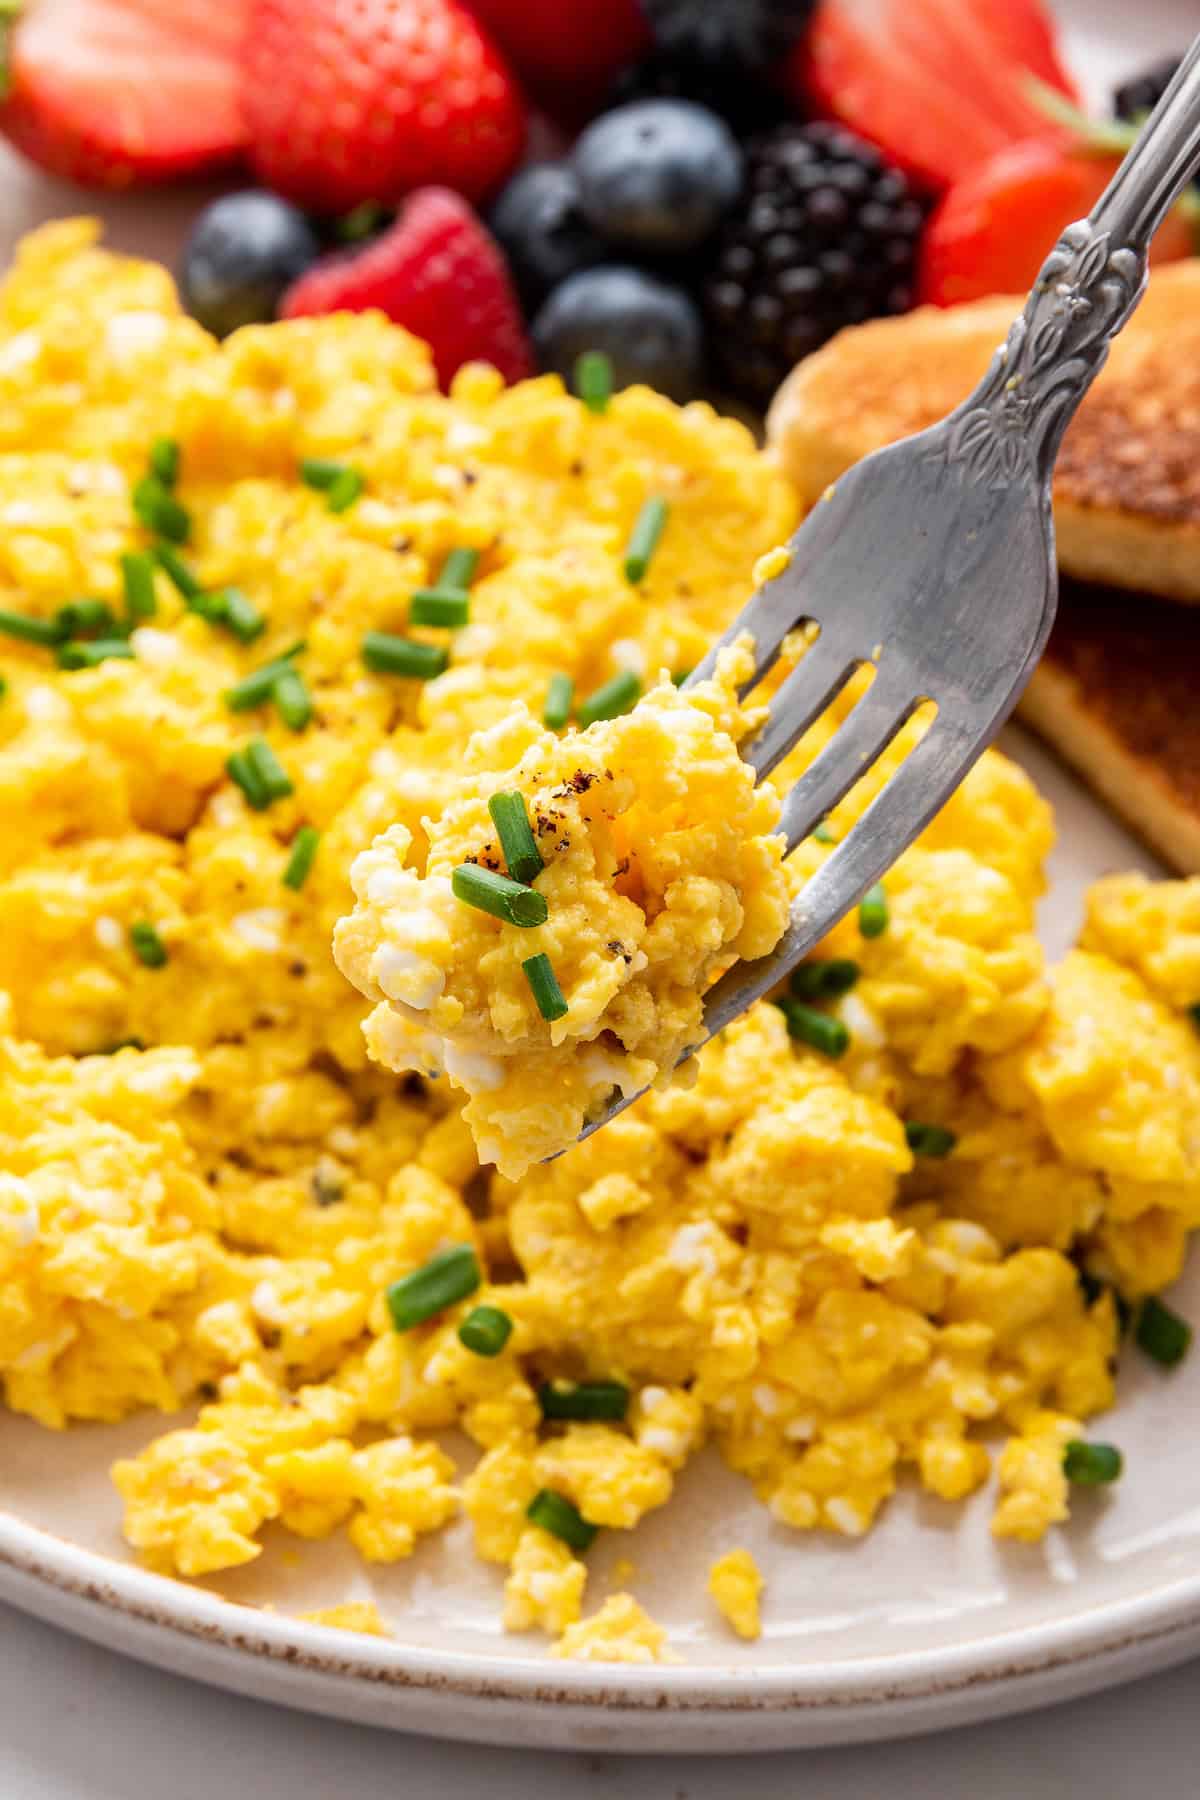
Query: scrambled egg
[
  {"x": 660, "y": 866},
  {"x": 207, "y": 1189},
  {"x": 735, "y": 1583}
]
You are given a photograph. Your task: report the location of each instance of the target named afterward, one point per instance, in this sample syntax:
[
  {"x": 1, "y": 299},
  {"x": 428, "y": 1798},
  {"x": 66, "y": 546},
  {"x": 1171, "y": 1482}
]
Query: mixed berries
[{"x": 722, "y": 184}]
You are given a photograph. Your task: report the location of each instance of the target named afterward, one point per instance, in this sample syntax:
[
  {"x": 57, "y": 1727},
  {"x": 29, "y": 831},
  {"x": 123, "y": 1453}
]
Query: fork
[{"x": 932, "y": 560}]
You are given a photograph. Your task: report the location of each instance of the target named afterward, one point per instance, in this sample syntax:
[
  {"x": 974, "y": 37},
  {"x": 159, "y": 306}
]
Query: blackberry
[
  {"x": 1134, "y": 99},
  {"x": 827, "y": 236},
  {"x": 730, "y": 35},
  {"x": 747, "y": 104}
]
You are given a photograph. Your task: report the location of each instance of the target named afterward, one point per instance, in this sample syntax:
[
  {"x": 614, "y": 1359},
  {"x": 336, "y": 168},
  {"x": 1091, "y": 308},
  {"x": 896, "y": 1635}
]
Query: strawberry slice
[
  {"x": 938, "y": 85},
  {"x": 993, "y": 230},
  {"x": 114, "y": 93}
]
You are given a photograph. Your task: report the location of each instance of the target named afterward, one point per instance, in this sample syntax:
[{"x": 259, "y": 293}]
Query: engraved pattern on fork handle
[{"x": 1088, "y": 286}]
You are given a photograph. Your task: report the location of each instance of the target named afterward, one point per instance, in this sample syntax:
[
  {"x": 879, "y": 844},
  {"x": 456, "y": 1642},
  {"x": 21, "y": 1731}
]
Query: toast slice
[{"x": 1117, "y": 693}]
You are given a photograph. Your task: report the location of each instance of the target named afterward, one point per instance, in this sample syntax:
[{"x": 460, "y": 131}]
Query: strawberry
[
  {"x": 438, "y": 273},
  {"x": 568, "y": 55},
  {"x": 993, "y": 230},
  {"x": 938, "y": 85},
  {"x": 111, "y": 93},
  {"x": 363, "y": 101}
]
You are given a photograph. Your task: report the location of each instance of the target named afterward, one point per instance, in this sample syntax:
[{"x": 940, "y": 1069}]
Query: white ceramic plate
[{"x": 927, "y": 1622}]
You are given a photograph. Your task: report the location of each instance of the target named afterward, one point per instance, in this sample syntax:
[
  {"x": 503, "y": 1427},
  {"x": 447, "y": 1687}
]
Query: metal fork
[{"x": 933, "y": 560}]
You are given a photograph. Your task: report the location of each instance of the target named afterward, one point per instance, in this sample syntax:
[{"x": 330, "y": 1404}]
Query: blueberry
[
  {"x": 657, "y": 175},
  {"x": 244, "y": 250},
  {"x": 649, "y": 330},
  {"x": 542, "y": 231}
]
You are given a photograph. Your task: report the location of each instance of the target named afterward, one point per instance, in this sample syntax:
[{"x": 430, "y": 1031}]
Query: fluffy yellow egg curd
[
  {"x": 657, "y": 867},
  {"x": 847, "y": 1257}
]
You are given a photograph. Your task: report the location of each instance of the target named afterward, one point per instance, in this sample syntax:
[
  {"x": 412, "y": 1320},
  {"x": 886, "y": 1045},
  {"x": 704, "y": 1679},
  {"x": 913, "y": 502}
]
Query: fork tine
[
  {"x": 868, "y": 731},
  {"x": 768, "y": 616},
  {"x": 817, "y": 679}
]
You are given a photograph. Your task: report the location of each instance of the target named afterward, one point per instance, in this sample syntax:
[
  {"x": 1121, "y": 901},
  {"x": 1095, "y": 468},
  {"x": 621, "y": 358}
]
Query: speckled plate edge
[{"x": 563, "y": 1706}]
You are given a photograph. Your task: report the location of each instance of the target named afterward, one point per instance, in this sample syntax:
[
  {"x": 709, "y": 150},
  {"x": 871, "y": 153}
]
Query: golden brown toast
[{"x": 1118, "y": 690}]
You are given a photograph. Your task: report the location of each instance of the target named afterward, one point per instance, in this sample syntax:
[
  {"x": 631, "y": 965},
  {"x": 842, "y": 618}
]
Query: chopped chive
[
  {"x": 89, "y": 653},
  {"x": 611, "y": 700},
  {"x": 270, "y": 771},
  {"x": 159, "y": 510},
  {"x": 439, "y": 606},
  {"x": 485, "y": 1330},
  {"x": 511, "y": 820},
  {"x": 137, "y": 577},
  {"x": 823, "y": 834},
  {"x": 556, "y": 1514},
  {"x": 458, "y": 570},
  {"x": 824, "y": 979},
  {"x": 441, "y": 1282},
  {"x": 679, "y": 676},
  {"x": 539, "y": 973},
  {"x": 242, "y": 772},
  {"x": 32, "y": 631},
  {"x": 3, "y": 686},
  {"x": 303, "y": 855},
  {"x": 873, "y": 912},
  {"x": 320, "y": 472},
  {"x": 147, "y": 945},
  {"x": 80, "y": 616},
  {"x": 929, "y": 1140},
  {"x": 239, "y": 612},
  {"x": 594, "y": 380},
  {"x": 557, "y": 708},
  {"x": 817, "y": 1029},
  {"x": 293, "y": 702},
  {"x": 164, "y": 460},
  {"x": 173, "y": 565},
  {"x": 344, "y": 490},
  {"x": 583, "y": 1399},
  {"x": 1161, "y": 1333},
  {"x": 500, "y": 896},
  {"x": 643, "y": 539},
  {"x": 256, "y": 688},
  {"x": 387, "y": 654},
  {"x": 213, "y": 607},
  {"x": 1091, "y": 1465}
]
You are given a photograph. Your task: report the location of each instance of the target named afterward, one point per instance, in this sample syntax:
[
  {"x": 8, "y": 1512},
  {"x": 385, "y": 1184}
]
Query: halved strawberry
[
  {"x": 938, "y": 85},
  {"x": 993, "y": 230},
  {"x": 111, "y": 93}
]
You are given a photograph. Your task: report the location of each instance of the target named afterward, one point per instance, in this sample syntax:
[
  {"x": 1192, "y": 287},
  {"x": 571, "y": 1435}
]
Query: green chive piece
[
  {"x": 243, "y": 773},
  {"x": 511, "y": 820},
  {"x": 485, "y": 1330},
  {"x": 159, "y": 510},
  {"x": 89, "y": 653},
  {"x": 344, "y": 491},
  {"x": 1161, "y": 1333},
  {"x": 78, "y": 617},
  {"x": 819, "y": 1030},
  {"x": 1091, "y": 1465},
  {"x": 823, "y": 834},
  {"x": 293, "y": 702},
  {"x": 458, "y": 570},
  {"x": 256, "y": 688},
  {"x": 239, "y": 612},
  {"x": 583, "y": 1399},
  {"x": 680, "y": 676},
  {"x": 164, "y": 460},
  {"x": 594, "y": 380},
  {"x": 3, "y": 686},
  {"x": 213, "y": 607},
  {"x": 174, "y": 567},
  {"x": 539, "y": 973},
  {"x": 439, "y": 606},
  {"x": 320, "y": 472},
  {"x": 824, "y": 980},
  {"x": 444, "y": 1280},
  {"x": 386, "y": 654},
  {"x": 873, "y": 912},
  {"x": 929, "y": 1140},
  {"x": 270, "y": 771},
  {"x": 557, "y": 1515},
  {"x": 643, "y": 539},
  {"x": 303, "y": 855},
  {"x": 497, "y": 894},
  {"x": 32, "y": 631},
  {"x": 137, "y": 577},
  {"x": 146, "y": 944},
  {"x": 611, "y": 700},
  {"x": 557, "y": 708}
]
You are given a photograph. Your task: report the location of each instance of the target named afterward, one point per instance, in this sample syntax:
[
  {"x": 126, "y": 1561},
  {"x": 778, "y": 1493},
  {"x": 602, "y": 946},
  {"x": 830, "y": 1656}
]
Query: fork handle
[{"x": 1088, "y": 287}]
